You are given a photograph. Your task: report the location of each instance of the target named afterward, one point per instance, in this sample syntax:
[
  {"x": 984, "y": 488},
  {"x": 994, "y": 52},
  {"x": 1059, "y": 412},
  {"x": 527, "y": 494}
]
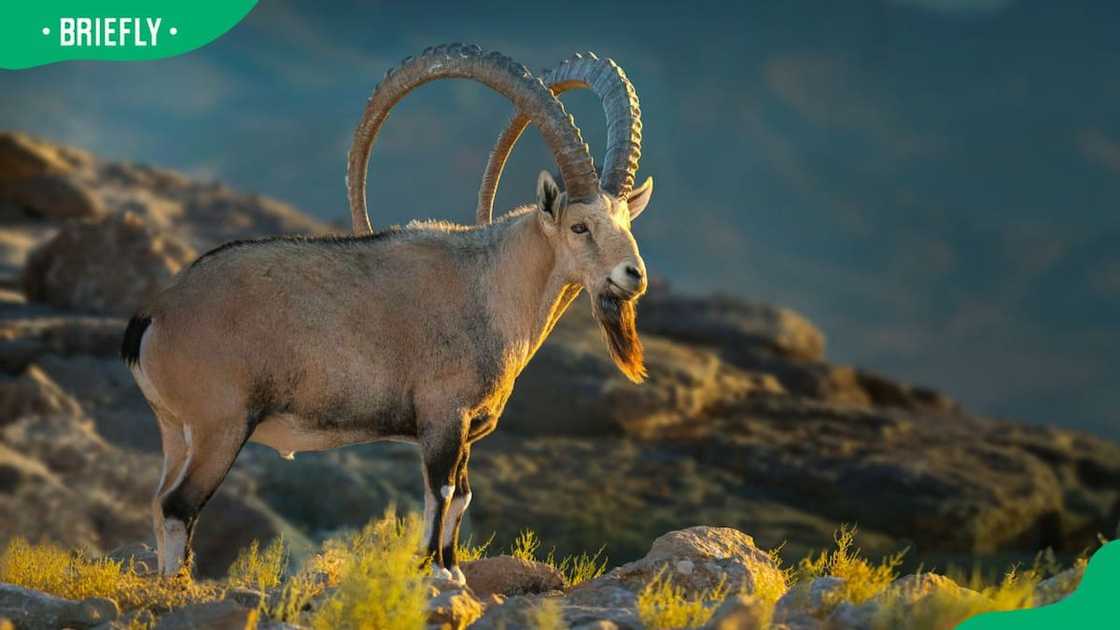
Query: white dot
[
  {"x": 46, "y": 30},
  {"x": 174, "y": 31}
]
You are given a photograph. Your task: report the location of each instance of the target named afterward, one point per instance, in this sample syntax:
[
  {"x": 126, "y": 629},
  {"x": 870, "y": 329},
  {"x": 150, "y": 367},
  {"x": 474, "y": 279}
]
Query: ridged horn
[
  {"x": 456, "y": 61},
  {"x": 624, "y": 126}
]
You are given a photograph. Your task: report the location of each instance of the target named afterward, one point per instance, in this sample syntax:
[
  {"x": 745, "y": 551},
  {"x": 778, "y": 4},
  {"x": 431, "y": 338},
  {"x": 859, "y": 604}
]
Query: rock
[
  {"x": 111, "y": 266},
  {"x": 23, "y": 156},
  {"x": 738, "y": 612},
  {"x": 34, "y": 394},
  {"x": 919, "y": 596},
  {"x": 49, "y": 196},
  {"x": 717, "y": 555},
  {"x": 24, "y": 340},
  {"x": 519, "y": 613},
  {"x": 32, "y": 610},
  {"x": 221, "y": 615},
  {"x": 731, "y": 325},
  {"x": 1056, "y": 588},
  {"x": 452, "y": 607},
  {"x": 142, "y": 558},
  {"x": 247, "y": 597},
  {"x": 572, "y": 388},
  {"x": 816, "y": 599},
  {"x": 507, "y": 575}
]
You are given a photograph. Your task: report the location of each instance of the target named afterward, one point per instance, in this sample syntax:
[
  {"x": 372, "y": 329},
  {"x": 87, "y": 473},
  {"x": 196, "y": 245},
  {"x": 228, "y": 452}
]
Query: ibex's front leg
[
  {"x": 443, "y": 449},
  {"x": 459, "y": 503}
]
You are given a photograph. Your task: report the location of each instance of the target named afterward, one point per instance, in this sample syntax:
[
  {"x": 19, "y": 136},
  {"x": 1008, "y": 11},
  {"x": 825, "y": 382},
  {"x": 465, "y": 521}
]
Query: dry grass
[
  {"x": 663, "y": 605},
  {"x": 74, "y": 575},
  {"x": 862, "y": 578},
  {"x": 380, "y": 580},
  {"x": 260, "y": 570}
]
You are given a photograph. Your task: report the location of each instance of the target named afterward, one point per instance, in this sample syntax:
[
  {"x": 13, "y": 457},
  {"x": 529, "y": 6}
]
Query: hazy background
[{"x": 936, "y": 183}]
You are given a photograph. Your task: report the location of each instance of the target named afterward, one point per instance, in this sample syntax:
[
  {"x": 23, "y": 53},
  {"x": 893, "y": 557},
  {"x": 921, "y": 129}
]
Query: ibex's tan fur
[{"x": 414, "y": 334}]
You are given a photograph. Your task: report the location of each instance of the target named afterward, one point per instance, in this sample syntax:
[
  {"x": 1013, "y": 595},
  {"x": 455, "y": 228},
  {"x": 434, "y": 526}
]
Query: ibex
[{"x": 413, "y": 334}]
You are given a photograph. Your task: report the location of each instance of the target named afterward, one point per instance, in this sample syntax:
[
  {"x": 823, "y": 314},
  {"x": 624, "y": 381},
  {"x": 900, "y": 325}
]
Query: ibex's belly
[{"x": 290, "y": 434}]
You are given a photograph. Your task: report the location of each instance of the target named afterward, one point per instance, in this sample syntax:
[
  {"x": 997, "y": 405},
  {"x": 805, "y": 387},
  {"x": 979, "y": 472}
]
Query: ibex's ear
[
  {"x": 548, "y": 195},
  {"x": 639, "y": 197}
]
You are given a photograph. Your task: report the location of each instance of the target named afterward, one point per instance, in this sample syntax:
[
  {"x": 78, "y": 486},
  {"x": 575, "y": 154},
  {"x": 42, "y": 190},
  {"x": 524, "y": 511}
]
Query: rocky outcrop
[
  {"x": 743, "y": 420},
  {"x": 112, "y": 266},
  {"x": 572, "y": 388}
]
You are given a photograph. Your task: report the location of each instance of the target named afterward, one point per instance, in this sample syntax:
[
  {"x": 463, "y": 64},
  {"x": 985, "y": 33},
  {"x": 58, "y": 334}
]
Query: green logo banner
[
  {"x": 34, "y": 33},
  {"x": 1093, "y": 605}
]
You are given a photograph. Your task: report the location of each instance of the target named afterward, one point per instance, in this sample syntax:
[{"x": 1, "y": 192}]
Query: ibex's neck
[{"x": 529, "y": 292}]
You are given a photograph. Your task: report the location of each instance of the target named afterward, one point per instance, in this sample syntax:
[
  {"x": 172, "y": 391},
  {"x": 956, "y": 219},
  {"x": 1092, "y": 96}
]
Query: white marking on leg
[
  {"x": 174, "y": 549},
  {"x": 441, "y": 573},
  {"x": 457, "y": 575},
  {"x": 447, "y": 492},
  {"x": 458, "y": 507},
  {"x": 290, "y": 455}
]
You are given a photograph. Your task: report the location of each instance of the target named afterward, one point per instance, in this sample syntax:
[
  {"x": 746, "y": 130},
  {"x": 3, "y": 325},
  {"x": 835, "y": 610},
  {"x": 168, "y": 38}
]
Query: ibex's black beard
[{"x": 618, "y": 318}]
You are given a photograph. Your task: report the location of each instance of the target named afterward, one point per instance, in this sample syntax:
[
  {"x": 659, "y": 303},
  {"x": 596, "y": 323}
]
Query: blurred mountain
[{"x": 743, "y": 422}]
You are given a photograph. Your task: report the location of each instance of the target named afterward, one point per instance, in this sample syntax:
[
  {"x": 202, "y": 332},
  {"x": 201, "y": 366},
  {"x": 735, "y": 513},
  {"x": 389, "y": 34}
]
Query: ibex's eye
[{"x": 579, "y": 228}]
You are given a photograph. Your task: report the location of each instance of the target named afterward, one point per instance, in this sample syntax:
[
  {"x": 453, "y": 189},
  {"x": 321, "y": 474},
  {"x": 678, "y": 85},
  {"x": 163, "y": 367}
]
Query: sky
[{"x": 934, "y": 183}]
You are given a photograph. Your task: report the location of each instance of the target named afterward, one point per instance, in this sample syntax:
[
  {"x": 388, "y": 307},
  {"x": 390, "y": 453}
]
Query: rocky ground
[{"x": 743, "y": 422}]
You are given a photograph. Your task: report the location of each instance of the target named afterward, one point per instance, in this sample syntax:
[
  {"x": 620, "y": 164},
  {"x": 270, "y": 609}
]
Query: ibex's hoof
[
  {"x": 457, "y": 576},
  {"x": 441, "y": 573}
]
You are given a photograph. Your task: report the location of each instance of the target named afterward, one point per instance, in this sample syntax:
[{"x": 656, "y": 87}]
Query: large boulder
[
  {"x": 696, "y": 559},
  {"x": 32, "y": 610},
  {"x": 110, "y": 266},
  {"x": 36, "y": 181},
  {"x": 507, "y": 575},
  {"x": 731, "y": 325}
]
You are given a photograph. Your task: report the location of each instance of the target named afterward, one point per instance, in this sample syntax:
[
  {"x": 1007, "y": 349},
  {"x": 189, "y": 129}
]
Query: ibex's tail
[{"x": 130, "y": 347}]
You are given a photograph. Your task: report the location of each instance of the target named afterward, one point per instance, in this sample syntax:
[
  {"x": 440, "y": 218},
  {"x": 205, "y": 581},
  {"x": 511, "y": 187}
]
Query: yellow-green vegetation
[
  {"x": 380, "y": 581},
  {"x": 579, "y": 568},
  {"x": 863, "y": 579},
  {"x": 525, "y": 545},
  {"x": 74, "y": 575},
  {"x": 468, "y": 552},
  {"x": 575, "y": 569},
  {"x": 664, "y": 605},
  {"x": 258, "y": 569},
  {"x": 769, "y": 586},
  {"x": 547, "y": 615}
]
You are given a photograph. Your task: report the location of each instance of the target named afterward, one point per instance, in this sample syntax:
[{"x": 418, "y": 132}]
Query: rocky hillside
[{"x": 742, "y": 423}]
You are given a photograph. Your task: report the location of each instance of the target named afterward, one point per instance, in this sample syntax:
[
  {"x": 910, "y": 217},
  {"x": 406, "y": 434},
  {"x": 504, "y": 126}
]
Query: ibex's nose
[{"x": 629, "y": 277}]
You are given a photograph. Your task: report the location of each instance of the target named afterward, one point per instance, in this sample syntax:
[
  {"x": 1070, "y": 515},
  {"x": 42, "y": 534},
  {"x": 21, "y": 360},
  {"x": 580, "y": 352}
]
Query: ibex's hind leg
[
  {"x": 209, "y": 458},
  {"x": 175, "y": 454}
]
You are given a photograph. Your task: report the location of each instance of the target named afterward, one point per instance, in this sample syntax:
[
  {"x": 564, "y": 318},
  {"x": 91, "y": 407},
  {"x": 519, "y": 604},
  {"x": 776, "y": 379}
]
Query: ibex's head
[
  {"x": 594, "y": 247},
  {"x": 588, "y": 224}
]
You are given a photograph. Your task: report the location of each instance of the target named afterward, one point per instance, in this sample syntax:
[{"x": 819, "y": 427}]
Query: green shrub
[
  {"x": 380, "y": 585},
  {"x": 663, "y": 605}
]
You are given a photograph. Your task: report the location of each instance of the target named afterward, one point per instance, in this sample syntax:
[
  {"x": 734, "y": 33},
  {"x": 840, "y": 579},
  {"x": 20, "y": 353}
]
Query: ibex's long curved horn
[
  {"x": 624, "y": 126},
  {"x": 529, "y": 95}
]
